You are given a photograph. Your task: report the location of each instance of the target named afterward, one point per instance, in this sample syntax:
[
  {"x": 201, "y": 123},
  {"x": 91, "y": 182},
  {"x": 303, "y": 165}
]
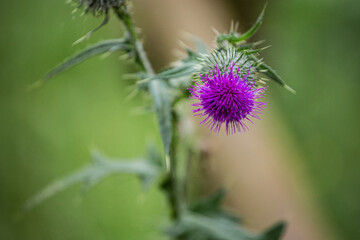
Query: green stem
[
  {"x": 141, "y": 56},
  {"x": 171, "y": 184},
  {"x": 174, "y": 190}
]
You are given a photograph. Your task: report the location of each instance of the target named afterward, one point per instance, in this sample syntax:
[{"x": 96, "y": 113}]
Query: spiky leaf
[
  {"x": 92, "y": 174},
  {"x": 213, "y": 228},
  {"x": 210, "y": 227},
  {"x": 107, "y": 46},
  {"x": 234, "y": 37},
  {"x": 211, "y": 207},
  {"x": 184, "y": 69},
  {"x": 274, "y": 233},
  {"x": 160, "y": 94},
  {"x": 269, "y": 72}
]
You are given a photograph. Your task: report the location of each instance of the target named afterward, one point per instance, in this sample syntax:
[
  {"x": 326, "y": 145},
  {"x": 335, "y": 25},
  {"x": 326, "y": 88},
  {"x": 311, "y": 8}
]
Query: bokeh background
[{"x": 47, "y": 133}]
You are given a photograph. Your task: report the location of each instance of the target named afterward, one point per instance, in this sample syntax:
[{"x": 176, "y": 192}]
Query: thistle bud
[{"x": 100, "y": 7}]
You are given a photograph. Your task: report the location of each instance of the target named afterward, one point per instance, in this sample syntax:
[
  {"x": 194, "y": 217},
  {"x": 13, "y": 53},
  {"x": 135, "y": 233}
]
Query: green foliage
[
  {"x": 160, "y": 94},
  {"x": 207, "y": 220},
  {"x": 274, "y": 233},
  {"x": 235, "y": 37},
  {"x": 203, "y": 227},
  {"x": 208, "y": 228},
  {"x": 268, "y": 71},
  {"x": 185, "y": 69},
  {"x": 108, "y": 46},
  {"x": 211, "y": 206},
  {"x": 90, "y": 175}
]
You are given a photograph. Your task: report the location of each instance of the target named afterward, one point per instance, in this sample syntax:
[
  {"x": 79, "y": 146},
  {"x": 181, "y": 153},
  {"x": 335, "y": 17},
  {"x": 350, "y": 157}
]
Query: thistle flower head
[{"x": 227, "y": 96}]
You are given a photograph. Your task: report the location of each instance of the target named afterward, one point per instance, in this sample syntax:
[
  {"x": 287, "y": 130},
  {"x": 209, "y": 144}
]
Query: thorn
[
  {"x": 215, "y": 31},
  {"x": 289, "y": 89},
  {"x": 264, "y": 48},
  {"x": 132, "y": 94},
  {"x": 80, "y": 40},
  {"x": 186, "y": 35},
  {"x": 167, "y": 163},
  {"x": 35, "y": 85},
  {"x": 236, "y": 26}
]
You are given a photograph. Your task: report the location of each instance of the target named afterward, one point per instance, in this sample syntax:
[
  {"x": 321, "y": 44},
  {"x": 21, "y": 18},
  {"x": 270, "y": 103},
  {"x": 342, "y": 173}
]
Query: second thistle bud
[{"x": 99, "y": 7}]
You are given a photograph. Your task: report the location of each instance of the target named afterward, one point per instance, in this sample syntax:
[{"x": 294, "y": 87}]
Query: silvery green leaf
[
  {"x": 154, "y": 156},
  {"x": 211, "y": 207},
  {"x": 158, "y": 90},
  {"x": 254, "y": 28},
  {"x": 200, "y": 45},
  {"x": 158, "y": 87},
  {"x": 99, "y": 48},
  {"x": 196, "y": 236},
  {"x": 234, "y": 38},
  {"x": 211, "y": 227},
  {"x": 245, "y": 46},
  {"x": 211, "y": 202},
  {"x": 185, "y": 69},
  {"x": 254, "y": 51},
  {"x": 269, "y": 72},
  {"x": 274, "y": 232},
  {"x": 92, "y": 174}
]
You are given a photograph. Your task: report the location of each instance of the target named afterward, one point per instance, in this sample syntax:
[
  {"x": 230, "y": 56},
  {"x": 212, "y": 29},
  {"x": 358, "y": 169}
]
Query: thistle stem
[
  {"x": 174, "y": 187},
  {"x": 141, "y": 56},
  {"x": 171, "y": 183}
]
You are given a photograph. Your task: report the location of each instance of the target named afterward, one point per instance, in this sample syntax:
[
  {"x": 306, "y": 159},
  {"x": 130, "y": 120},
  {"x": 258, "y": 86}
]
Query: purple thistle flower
[{"x": 225, "y": 97}]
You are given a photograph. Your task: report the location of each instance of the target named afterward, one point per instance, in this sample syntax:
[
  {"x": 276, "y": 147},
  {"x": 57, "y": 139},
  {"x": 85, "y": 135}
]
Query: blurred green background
[
  {"x": 315, "y": 48},
  {"x": 48, "y": 132}
]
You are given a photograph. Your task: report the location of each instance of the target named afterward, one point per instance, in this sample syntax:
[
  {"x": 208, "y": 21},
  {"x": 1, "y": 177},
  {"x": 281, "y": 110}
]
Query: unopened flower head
[
  {"x": 100, "y": 7},
  {"x": 227, "y": 97}
]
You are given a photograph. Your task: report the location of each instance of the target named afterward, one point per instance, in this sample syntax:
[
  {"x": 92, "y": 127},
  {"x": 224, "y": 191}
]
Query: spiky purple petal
[{"x": 225, "y": 97}]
